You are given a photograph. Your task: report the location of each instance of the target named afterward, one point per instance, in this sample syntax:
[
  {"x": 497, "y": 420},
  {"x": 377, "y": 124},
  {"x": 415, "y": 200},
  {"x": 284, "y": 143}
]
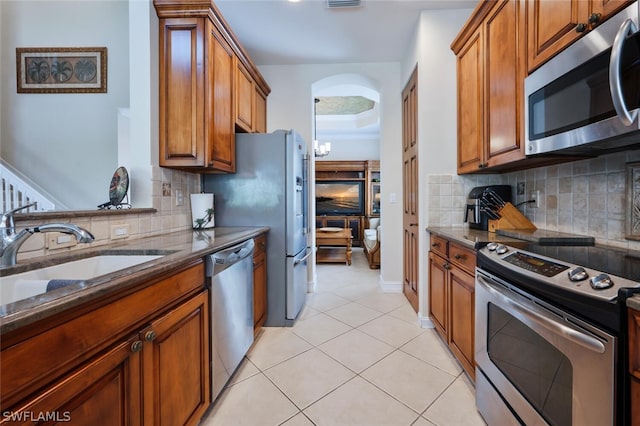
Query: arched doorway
[{"x": 347, "y": 115}]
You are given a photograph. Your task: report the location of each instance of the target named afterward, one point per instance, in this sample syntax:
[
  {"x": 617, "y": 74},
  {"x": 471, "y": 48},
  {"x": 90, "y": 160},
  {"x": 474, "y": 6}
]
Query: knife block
[{"x": 511, "y": 219}]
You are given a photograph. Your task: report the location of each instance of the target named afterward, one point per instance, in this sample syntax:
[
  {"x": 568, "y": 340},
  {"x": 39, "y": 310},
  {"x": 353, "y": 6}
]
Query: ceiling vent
[{"x": 340, "y": 4}]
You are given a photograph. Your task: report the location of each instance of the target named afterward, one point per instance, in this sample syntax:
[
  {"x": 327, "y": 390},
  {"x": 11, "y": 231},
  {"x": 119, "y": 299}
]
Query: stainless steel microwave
[{"x": 585, "y": 100}]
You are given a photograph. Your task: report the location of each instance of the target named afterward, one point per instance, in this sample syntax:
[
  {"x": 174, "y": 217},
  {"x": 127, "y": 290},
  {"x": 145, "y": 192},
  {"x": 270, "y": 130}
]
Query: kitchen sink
[{"x": 27, "y": 284}]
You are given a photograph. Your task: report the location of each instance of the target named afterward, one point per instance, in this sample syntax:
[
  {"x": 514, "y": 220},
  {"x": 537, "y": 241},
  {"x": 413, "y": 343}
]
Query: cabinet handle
[
  {"x": 446, "y": 266},
  {"x": 150, "y": 335},
  {"x": 581, "y": 27},
  {"x": 136, "y": 346},
  {"x": 434, "y": 245},
  {"x": 482, "y": 165},
  {"x": 413, "y": 224},
  {"x": 459, "y": 256},
  {"x": 594, "y": 18}
]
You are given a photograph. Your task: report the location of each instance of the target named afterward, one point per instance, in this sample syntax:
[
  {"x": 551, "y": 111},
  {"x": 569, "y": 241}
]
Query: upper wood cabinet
[
  {"x": 490, "y": 60},
  {"x": 250, "y": 103},
  {"x": 208, "y": 87},
  {"x": 182, "y": 92},
  {"x": 260, "y": 113},
  {"x": 245, "y": 99},
  {"x": 553, "y": 25},
  {"x": 220, "y": 132}
]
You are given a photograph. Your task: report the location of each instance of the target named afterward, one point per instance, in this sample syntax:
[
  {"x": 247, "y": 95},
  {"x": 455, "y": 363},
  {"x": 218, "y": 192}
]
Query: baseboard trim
[
  {"x": 425, "y": 322},
  {"x": 390, "y": 286}
]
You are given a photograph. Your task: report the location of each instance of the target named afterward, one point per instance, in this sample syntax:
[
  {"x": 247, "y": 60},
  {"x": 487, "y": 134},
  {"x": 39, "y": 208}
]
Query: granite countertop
[
  {"x": 472, "y": 238},
  {"x": 177, "y": 248},
  {"x": 475, "y": 239},
  {"x": 634, "y": 302}
]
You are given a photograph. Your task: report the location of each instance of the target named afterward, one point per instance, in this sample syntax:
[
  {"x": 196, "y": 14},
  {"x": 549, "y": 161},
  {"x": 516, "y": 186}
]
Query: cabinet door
[
  {"x": 462, "y": 317},
  {"x": 176, "y": 364},
  {"x": 504, "y": 50},
  {"x": 182, "y": 94},
  {"x": 471, "y": 104},
  {"x": 608, "y": 7},
  {"x": 106, "y": 390},
  {"x": 220, "y": 127},
  {"x": 260, "y": 112},
  {"x": 438, "y": 293},
  {"x": 551, "y": 26},
  {"x": 635, "y": 401},
  {"x": 259, "y": 283},
  {"x": 244, "y": 98},
  {"x": 356, "y": 230}
]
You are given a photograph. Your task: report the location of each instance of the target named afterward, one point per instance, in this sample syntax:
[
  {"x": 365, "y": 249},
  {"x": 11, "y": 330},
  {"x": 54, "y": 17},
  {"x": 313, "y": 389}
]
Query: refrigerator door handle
[
  {"x": 299, "y": 261},
  {"x": 305, "y": 193}
]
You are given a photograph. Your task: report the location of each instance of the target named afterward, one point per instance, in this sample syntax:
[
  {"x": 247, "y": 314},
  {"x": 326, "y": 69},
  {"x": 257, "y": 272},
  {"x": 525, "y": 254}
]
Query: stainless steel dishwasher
[{"x": 231, "y": 281}]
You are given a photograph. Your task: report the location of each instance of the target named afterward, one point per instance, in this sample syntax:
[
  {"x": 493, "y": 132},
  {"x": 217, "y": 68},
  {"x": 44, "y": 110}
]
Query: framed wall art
[
  {"x": 633, "y": 201},
  {"x": 61, "y": 69}
]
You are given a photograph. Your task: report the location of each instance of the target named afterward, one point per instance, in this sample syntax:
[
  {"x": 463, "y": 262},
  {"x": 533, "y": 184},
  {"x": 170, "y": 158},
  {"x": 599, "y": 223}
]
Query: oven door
[{"x": 549, "y": 367}]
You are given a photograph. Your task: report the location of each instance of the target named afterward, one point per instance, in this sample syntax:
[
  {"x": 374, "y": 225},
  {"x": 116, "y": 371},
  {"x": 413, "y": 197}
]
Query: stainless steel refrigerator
[{"x": 270, "y": 188}]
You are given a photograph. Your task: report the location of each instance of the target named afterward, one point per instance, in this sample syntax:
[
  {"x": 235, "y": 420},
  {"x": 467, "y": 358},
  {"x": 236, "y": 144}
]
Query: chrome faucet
[{"x": 12, "y": 240}]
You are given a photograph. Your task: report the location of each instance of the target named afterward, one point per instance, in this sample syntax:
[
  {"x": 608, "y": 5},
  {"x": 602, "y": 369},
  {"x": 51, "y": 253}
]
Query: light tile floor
[{"x": 356, "y": 356}]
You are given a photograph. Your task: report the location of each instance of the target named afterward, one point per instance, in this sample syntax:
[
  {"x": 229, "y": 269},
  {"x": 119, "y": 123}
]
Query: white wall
[
  {"x": 352, "y": 149},
  {"x": 290, "y": 105},
  {"x": 144, "y": 96},
  {"x": 437, "y": 116},
  {"x": 66, "y": 143}
]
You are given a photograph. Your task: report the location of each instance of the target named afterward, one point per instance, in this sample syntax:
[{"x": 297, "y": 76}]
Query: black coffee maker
[{"x": 474, "y": 214}]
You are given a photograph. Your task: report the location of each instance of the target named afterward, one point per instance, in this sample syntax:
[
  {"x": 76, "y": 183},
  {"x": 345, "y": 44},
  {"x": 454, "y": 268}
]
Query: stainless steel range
[{"x": 551, "y": 334}]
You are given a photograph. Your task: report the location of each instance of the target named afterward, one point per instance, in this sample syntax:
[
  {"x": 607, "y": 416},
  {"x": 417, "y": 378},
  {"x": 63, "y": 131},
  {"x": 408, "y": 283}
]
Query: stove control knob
[
  {"x": 502, "y": 249},
  {"x": 578, "y": 274},
  {"x": 601, "y": 282},
  {"x": 492, "y": 246}
]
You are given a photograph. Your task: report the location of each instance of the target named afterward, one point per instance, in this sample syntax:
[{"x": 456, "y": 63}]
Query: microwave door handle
[{"x": 615, "y": 85}]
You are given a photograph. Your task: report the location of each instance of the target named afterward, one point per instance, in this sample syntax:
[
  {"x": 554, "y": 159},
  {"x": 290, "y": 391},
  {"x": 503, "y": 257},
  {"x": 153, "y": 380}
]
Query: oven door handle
[{"x": 534, "y": 314}]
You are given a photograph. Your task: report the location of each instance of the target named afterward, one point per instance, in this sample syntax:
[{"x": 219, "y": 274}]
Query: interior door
[{"x": 410, "y": 190}]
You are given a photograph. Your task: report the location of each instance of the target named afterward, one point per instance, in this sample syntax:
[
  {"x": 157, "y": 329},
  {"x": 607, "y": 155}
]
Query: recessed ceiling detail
[{"x": 343, "y": 105}]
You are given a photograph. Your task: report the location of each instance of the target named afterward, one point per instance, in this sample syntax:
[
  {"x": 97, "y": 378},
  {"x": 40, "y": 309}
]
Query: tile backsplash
[
  {"x": 168, "y": 216},
  {"x": 587, "y": 197}
]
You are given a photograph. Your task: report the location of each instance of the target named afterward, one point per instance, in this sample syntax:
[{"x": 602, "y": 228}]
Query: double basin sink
[{"x": 74, "y": 272}]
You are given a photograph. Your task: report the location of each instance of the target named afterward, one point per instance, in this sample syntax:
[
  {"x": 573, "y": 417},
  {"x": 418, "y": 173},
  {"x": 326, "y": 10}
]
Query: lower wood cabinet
[
  {"x": 452, "y": 298},
  {"x": 106, "y": 390},
  {"x": 157, "y": 372},
  {"x": 259, "y": 282},
  {"x": 634, "y": 364}
]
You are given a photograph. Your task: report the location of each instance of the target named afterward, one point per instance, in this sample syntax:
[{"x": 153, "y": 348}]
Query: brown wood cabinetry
[
  {"x": 132, "y": 360},
  {"x": 182, "y": 92},
  {"x": 372, "y": 197},
  {"x": 259, "y": 282},
  {"x": 260, "y": 113},
  {"x": 452, "y": 298},
  {"x": 553, "y": 25},
  {"x": 490, "y": 59},
  {"x": 244, "y": 99},
  {"x": 250, "y": 103},
  {"x": 175, "y": 359},
  {"x": 208, "y": 86},
  {"x": 634, "y": 363}
]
